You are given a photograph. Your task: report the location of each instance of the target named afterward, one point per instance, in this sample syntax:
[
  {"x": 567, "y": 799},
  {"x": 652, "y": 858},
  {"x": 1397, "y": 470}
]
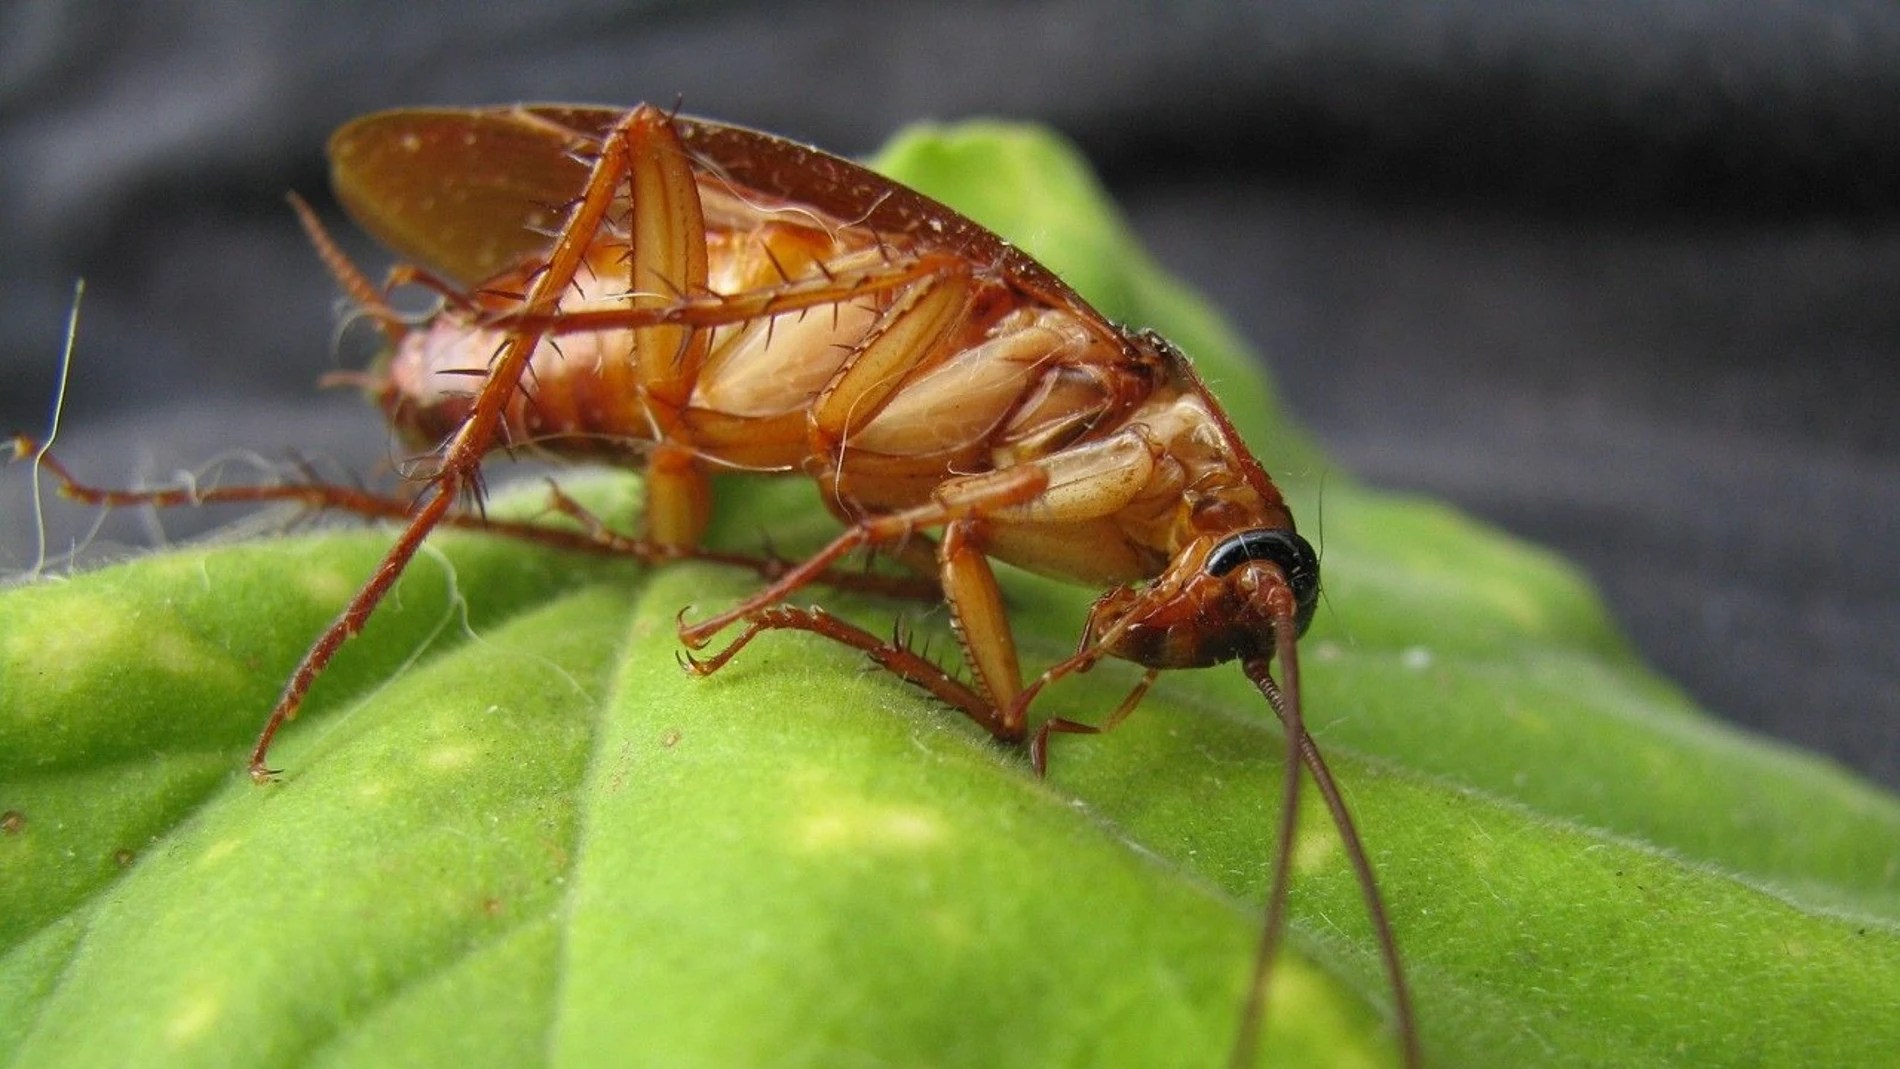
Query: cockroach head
[
  {"x": 1280, "y": 547},
  {"x": 1220, "y": 599}
]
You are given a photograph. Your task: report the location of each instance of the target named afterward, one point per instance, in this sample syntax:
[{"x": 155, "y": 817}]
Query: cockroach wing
[
  {"x": 470, "y": 193},
  {"x": 465, "y": 193}
]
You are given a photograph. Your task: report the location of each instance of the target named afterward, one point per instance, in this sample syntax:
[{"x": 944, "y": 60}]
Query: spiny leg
[
  {"x": 666, "y": 270},
  {"x": 969, "y": 588},
  {"x": 1091, "y": 649},
  {"x": 1039, "y": 746},
  {"x": 1082, "y": 485},
  {"x": 896, "y": 657},
  {"x": 633, "y": 142},
  {"x": 721, "y": 309},
  {"x": 916, "y": 554},
  {"x": 976, "y": 495},
  {"x": 998, "y": 702},
  {"x": 891, "y": 654},
  {"x": 593, "y": 536},
  {"x": 980, "y": 620},
  {"x": 915, "y": 328}
]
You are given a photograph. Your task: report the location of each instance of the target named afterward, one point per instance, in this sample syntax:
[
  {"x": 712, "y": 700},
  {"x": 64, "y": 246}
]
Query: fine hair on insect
[{"x": 683, "y": 297}]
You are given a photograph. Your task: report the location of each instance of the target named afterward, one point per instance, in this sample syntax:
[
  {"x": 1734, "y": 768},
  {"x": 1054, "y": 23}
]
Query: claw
[
  {"x": 687, "y": 637},
  {"x": 690, "y": 664},
  {"x": 1039, "y": 752}
]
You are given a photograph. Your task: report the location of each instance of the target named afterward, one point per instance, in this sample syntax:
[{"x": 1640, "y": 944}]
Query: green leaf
[{"x": 513, "y": 832}]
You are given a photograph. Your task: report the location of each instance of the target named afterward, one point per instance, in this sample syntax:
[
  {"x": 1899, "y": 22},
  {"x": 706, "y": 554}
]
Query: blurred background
[{"x": 1620, "y": 278}]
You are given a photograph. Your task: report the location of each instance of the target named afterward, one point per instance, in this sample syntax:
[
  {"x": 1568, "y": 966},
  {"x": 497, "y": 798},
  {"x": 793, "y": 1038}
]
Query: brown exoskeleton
[{"x": 689, "y": 297}]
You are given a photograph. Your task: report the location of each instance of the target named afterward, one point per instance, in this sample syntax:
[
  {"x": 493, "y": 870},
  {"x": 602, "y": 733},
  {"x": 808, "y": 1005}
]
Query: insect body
[
  {"x": 690, "y": 297},
  {"x": 930, "y": 377}
]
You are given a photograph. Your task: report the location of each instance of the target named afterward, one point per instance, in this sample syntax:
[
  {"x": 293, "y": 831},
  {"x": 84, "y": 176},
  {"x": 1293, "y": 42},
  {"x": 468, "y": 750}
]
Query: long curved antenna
[
  {"x": 1286, "y": 705},
  {"x": 1273, "y": 928}
]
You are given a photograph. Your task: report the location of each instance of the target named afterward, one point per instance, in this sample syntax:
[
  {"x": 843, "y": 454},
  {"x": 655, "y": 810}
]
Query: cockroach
[{"x": 684, "y": 297}]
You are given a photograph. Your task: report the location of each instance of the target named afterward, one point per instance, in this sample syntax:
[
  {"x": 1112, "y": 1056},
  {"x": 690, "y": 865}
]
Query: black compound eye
[{"x": 1280, "y": 547}]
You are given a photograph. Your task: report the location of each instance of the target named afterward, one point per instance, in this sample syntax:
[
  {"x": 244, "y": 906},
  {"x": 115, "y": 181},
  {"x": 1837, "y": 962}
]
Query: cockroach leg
[
  {"x": 410, "y": 275},
  {"x": 643, "y": 143},
  {"x": 313, "y": 495},
  {"x": 679, "y": 496},
  {"x": 910, "y": 331},
  {"x": 355, "y": 614},
  {"x": 723, "y": 309},
  {"x": 594, "y": 536},
  {"x": 1091, "y": 649},
  {"x": 959, "y": 499},
  {"x": 667, "y": 306},
  {"x": 981, "y": 621},
  {"x": 916, "y": 553},
  {"x": 889, "y": 654},
  {"x": 1039, "y": 745}
]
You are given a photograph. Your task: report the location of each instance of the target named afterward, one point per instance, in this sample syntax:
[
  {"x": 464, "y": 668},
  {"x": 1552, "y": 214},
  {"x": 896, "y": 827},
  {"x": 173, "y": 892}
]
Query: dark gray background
[{"x": 1620, "y": 279}]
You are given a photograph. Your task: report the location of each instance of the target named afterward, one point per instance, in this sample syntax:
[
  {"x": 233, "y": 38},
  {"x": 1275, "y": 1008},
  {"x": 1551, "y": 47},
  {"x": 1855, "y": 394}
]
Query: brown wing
[
  {"x": 473, "y": 192},
  {"x": 465, "y": 193}
]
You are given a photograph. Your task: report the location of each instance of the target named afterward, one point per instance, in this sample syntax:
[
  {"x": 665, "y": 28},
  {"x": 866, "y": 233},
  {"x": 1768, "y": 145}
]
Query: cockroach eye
[{"x": 1280, "y": 547}]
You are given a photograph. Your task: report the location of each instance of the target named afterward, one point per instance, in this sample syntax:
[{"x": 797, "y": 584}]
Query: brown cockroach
[{"x": 685, "y": 297}]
